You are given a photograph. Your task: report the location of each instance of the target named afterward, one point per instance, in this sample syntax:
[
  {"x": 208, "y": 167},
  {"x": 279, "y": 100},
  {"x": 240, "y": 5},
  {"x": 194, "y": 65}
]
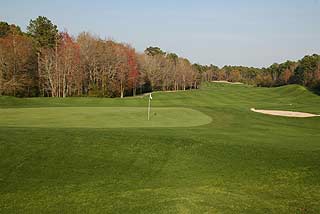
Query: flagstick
[{"x": 149, "y": 107}]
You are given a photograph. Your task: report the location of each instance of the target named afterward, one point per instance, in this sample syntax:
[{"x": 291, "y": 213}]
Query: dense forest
[{"x": 45, "y": 62}]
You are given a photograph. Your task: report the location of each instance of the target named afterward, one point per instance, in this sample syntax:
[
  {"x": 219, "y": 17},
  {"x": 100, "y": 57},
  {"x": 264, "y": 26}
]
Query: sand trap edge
[
  {"x": 285, "y": 113},
  {"x": 227, "y": 82}
]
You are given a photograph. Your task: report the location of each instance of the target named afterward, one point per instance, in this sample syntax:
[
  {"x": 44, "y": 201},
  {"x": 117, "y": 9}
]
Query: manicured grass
[
  {"x": 240, "y": 162},
  {"x": 101, "y": 117}
]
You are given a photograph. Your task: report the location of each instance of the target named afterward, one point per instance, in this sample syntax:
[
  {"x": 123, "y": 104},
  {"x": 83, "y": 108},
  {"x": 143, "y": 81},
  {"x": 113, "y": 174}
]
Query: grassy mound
[{"x": 241, "y": 162}]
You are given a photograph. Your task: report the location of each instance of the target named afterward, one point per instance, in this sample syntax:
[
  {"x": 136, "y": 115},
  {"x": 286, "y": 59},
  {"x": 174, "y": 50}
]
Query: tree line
[
  {"x": 45, "y": 62},
  {"x": 305, "y": 72},
  {"x": 49, "y": 63}
]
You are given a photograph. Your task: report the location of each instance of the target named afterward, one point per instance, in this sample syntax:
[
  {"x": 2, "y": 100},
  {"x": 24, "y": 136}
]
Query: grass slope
[{"x": 241, "y": 162}]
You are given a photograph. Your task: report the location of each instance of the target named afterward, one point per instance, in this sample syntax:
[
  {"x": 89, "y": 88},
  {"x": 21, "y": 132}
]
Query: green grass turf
[
  {"x": 241, "y": 162},
  {"x": 101, "y": 117}
]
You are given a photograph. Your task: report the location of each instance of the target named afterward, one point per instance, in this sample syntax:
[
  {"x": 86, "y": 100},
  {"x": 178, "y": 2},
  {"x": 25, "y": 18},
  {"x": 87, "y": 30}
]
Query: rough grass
[{"x": 241, "y": 162}]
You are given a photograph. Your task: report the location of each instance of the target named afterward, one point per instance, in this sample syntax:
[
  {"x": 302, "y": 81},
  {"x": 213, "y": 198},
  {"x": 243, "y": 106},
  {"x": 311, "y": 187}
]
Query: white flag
[{"x": 150, "y": 96}]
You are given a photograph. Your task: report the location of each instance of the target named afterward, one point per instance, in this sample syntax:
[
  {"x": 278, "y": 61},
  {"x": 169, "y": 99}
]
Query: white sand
[
  {"x": 222, "y": 81},
  {"x": 285, "y": 113}
]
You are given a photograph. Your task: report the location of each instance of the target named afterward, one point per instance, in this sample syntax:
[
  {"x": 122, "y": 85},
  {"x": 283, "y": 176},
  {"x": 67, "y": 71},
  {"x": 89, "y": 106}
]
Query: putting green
[{"x": 101, "y": 117}]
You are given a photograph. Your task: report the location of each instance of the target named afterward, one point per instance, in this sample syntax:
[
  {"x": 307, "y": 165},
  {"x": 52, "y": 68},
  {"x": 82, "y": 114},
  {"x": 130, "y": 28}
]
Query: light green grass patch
[{"x": 101, "y": 117}]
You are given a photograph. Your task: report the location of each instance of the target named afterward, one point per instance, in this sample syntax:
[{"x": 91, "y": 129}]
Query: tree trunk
[
  {"x": 121, "y": 89},
  {"x": 134, "y": 92},
  {"x": 64, "y": 85},
  {"x": 1, "y": 81},
  {"x": 39, "y": 72},
  {"x": 15, "y": 66},
  {"x": 56, "y": 67}
]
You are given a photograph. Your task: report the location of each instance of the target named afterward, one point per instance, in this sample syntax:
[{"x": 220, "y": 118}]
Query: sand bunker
[
  {"x": 285, "y": 113},
  {"x": 227, "y": 82}
]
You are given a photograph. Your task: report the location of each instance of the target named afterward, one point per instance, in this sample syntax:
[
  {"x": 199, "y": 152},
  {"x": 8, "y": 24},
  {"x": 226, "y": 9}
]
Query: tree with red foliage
[
  {"x": 133, "y": 70},
  {"x": 70, "y": 75}
]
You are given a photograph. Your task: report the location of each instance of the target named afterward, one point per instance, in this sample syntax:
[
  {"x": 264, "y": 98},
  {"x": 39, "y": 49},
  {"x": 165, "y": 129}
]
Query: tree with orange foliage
[
  {"x": 16, "y": 64},
  {"x": 287, "y": 74}
]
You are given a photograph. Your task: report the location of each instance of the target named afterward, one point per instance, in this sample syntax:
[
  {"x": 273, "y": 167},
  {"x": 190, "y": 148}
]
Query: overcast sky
[{"x": 230, "y": 32}]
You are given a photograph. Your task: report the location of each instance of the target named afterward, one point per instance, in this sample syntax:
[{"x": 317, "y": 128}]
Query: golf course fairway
[{"x": 203, "y": 151}]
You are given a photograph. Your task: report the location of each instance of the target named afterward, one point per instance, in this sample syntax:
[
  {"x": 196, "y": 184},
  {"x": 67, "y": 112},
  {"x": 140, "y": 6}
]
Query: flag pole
[{"x": 149, "y": 106}]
